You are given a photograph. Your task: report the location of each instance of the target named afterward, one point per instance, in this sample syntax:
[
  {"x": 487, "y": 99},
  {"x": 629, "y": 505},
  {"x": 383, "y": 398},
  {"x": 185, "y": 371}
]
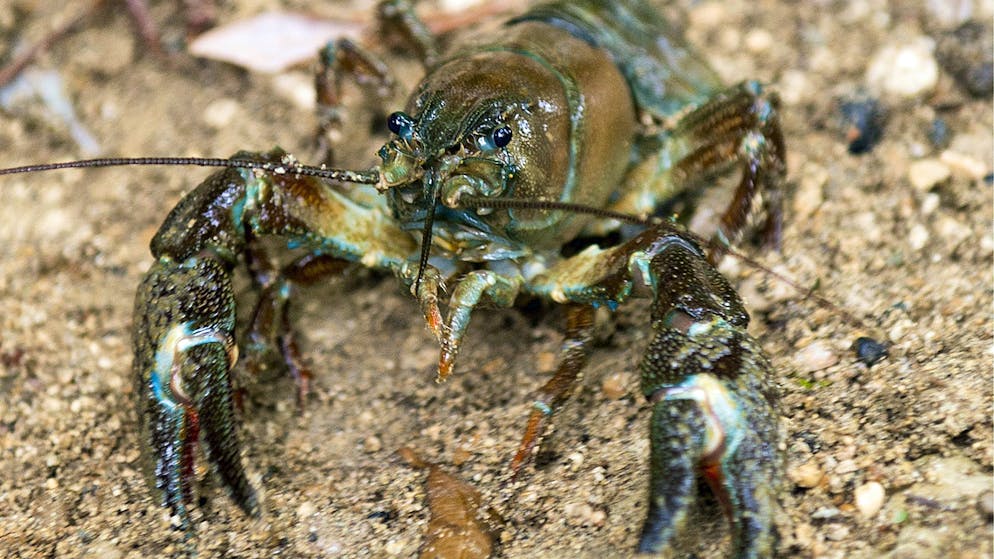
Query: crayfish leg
[
  {"x": 738, "y": 126},
  {"x": 572, "y": 359},
  {"x": 271, "y": 326},
  {"x": 477, "y": 287}
]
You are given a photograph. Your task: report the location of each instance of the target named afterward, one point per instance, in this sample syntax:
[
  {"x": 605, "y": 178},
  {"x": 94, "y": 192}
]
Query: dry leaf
[
  {"x": 273, "y": 41},
  {"x": 455, "y": 530}
]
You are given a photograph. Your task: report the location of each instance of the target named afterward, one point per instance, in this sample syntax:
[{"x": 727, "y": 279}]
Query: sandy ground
[{"x": 911, "y": 258}]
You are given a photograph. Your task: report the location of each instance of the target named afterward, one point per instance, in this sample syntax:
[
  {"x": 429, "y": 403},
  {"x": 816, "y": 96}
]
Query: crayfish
[{"x": 575, "y": 123}]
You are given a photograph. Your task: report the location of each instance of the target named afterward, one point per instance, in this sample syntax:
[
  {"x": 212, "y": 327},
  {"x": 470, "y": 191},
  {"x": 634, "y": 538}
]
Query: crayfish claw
[
  {"x": 184, "y": 351},
  {"x": 714, "y": 405},
  {"x": 714, "y": 424}
]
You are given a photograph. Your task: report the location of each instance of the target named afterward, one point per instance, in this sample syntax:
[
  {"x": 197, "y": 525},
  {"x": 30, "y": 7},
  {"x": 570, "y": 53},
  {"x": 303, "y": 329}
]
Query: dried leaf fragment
[
  {"x": 456, "y": 529},
  {"x": 273, "y": 41}
]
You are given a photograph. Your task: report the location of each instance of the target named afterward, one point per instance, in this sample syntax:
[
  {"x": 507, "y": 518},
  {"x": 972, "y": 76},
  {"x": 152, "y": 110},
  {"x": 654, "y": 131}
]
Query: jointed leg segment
[{"x": 738, "y": 127}]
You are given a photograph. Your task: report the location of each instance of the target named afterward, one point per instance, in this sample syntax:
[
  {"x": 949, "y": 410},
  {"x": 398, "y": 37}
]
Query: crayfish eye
[
  {"x": 400, "y": 124},
  {"x": 501, "y": 136}
]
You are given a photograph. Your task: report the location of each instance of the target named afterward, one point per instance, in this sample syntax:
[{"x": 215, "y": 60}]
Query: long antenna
[
  {"x": 523, "y": 204},
  {"x": 371, "y": 176}
]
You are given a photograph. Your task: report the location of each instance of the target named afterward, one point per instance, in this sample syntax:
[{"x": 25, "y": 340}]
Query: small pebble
[
  {"x": 758, "y": 41},
  {"x": 963, "y": 164},
  {"x": 104, "y": 550},
  {"x": 458, "y": 5},
  {"x": 907, "y": 70},
  {"x": 952, "y": 230},
  {"x": 576, "y": 460},
  {"x": 869, "y": 351},
  {"x": 898, "y": 330},
  {"x": 297, "y": 88},
  {"x": 305, "y": 510},
  {"x": 949, "y": 13},
  {"x": 582, "y": 514},
  {"x": 613, "y": 386},
  {"x": 837, "y": 532},
  {"x": 395, "y": 547},
  {"x": 219, "y": 114},
  {"x": 846, "y": 467},
  {"x": 807, "y": 475},
  {"x": 869, "y": 498},
  {"x": 815, "y": 357},
  {"x": 794, "y": 87},
  {"x": 930, "y": 203},
  {"x": 863, "y": 120},
  {"x": 918, "y": 237},
  {"x": 825, "y": 513},
  {"x": 927, "y": 173},
  {"x": 372, "y": 444}
]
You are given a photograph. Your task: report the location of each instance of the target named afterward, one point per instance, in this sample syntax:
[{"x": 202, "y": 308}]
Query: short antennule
[{"x": 371, "y": 176}]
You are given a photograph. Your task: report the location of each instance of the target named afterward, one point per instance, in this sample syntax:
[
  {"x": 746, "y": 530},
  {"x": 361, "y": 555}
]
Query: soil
[{"x": 910, "y": 257}]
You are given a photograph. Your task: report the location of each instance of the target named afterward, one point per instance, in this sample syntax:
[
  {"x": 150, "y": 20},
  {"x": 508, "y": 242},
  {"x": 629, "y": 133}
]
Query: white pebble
[
  {"x": 458, "y": 5},
  {"x": 949, "y": 13},
  {"x": 869, "y": 498},
  {"x": 807, "y": 475},
  {"x": 794, "y": 87},
  {"x": 964, "y": 164},
  {"x": 908, "y": 69},
  {"x": 837, "y": 532},
  {"x": 297, "y": 88},
  {"x": 758, "y": 41},
  {"x": 576, "y": 460},
  {"x": 815, "y": 357},
  {"x": 952, "y": 230},
  {"x": 395, "y": 547},
  {"x": 372, "y": 444},
  {"x": 918, "y": 237},
  {"x": 926, "y": 173},
  {"x": 220, "y": 113},
  {"x": 825, "y": 513},
  {"x": 582, "y": 514},
  {"x": 846, "y": 467},
  {"x": 305, "y": 510}
]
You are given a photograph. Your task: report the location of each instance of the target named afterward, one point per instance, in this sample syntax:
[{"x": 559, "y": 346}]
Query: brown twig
[{"x": 21, "y": 60}]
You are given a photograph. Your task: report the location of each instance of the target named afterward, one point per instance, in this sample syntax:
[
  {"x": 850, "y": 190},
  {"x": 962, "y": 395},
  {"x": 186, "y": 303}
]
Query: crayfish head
[{"x": 424, "y": 165}]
